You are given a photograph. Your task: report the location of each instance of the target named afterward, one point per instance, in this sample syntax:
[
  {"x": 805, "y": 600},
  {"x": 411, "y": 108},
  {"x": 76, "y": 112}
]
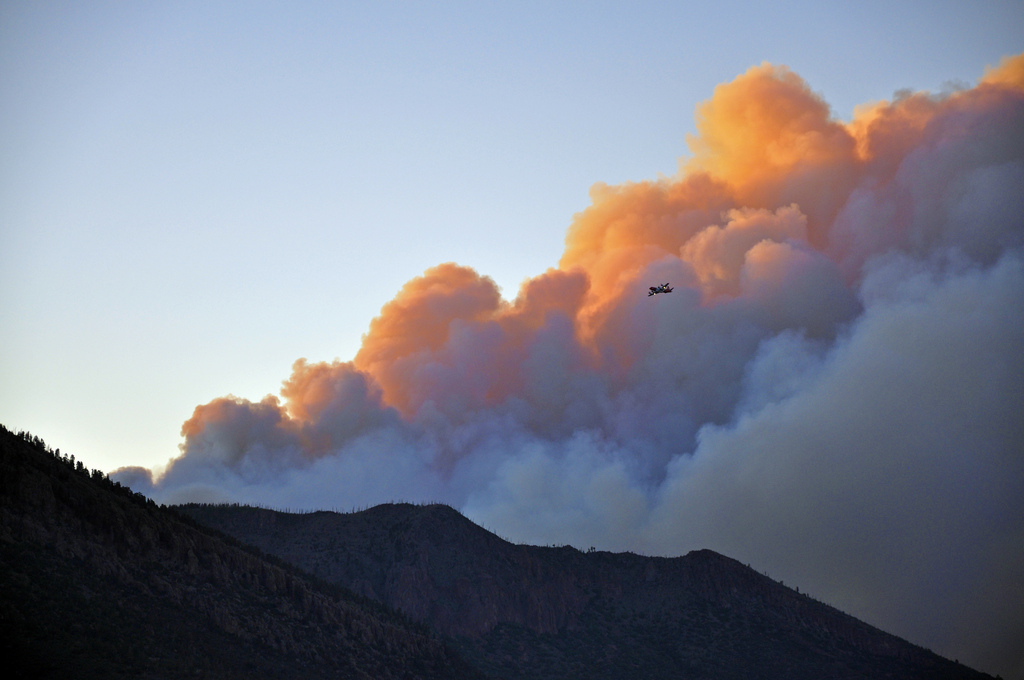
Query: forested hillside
[
  {"x": 528, "y": 612},
  {"x": 100, "y": 582}
]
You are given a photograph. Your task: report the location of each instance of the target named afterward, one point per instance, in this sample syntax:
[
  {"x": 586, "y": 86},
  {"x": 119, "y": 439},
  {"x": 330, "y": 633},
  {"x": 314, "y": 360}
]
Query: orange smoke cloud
[
  {"x": 765, "y": 142},
  {"x": 769, "y": 137},
  {"x": 1009, "y": 73},
  {"x": 229, "y": 430},
  {"x": 414, "y": 333},
  {"x": 774, "y": 182},
  {"x": 450, "y": 341},
  {"x": 798, "y": 245},
  {"x": 629, "y": 227},
  {"x": 770, "y": 166}
]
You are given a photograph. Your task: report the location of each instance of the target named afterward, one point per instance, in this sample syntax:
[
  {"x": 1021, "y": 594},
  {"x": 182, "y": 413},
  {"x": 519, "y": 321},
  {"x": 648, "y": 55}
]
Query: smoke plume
[{"x": 833, "y": 392}]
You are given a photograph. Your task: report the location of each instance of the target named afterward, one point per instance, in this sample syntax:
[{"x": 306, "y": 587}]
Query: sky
[{"x": 284, "y": 247}]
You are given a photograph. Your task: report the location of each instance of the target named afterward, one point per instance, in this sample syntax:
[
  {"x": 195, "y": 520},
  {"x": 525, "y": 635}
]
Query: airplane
[{"x": 663, "y": 288}]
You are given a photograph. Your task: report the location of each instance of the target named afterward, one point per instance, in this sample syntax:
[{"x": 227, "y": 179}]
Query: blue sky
[{"x": 194, "y": 195}]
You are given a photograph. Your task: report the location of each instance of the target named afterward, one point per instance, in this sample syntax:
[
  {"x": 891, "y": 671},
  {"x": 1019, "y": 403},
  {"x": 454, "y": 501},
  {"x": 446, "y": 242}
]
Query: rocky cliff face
[
  {"x": 96, "y": 581},
  {"x": 530, "y": 612}
]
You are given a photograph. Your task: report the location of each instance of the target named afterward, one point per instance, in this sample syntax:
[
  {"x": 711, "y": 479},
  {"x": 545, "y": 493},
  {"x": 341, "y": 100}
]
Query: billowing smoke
[{"x": 834, "y": 392}]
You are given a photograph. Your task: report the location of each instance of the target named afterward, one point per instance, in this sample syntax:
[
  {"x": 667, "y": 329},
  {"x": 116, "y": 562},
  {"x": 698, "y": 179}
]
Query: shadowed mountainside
[
  {"x": 99, "y": 582},
  {"x": 521, "y": 611}
]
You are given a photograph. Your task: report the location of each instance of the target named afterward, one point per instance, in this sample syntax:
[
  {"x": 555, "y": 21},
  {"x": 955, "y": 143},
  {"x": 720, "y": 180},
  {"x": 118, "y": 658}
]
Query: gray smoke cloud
[{"x": 833, "y": 392}]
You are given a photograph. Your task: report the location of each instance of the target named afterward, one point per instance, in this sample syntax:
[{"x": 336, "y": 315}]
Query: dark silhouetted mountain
[
  {"x": 99, "y": 582},
  {"x": 520, "y": 611}
]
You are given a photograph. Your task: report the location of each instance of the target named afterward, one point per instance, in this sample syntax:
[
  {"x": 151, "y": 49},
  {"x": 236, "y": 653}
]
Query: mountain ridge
[{"x": 521, "y": 611}]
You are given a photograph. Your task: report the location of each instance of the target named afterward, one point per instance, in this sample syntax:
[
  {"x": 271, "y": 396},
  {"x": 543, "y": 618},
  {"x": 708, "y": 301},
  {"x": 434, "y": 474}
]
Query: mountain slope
[
  {"x": 98, "y": 582},
  {"x": 529, "y": 612}
]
